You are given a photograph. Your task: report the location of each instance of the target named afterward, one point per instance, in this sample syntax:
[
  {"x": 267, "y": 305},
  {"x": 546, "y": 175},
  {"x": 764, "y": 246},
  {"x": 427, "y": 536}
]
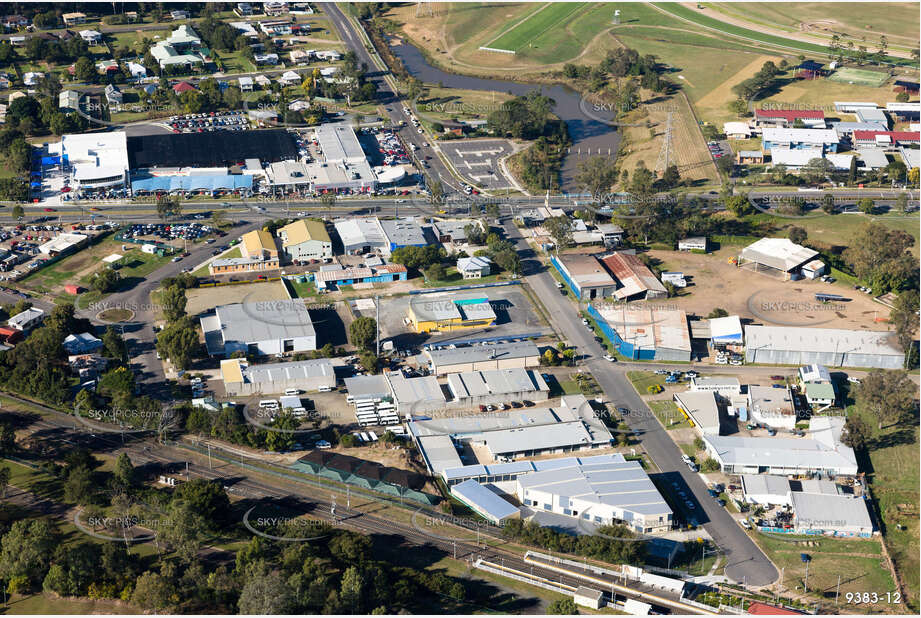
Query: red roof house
[{"x": 183, "y": 87}]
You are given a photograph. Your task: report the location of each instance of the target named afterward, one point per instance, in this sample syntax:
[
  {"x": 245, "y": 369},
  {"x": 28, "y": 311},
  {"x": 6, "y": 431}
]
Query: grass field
[
  {"x": 897, "y": 20},
  {"x": 641, "y": 380},
  {"x": 893, "y": 473},
  {"x": 667, "y": 413},
  {"x": 528, "y": 33},
  {"x": 687, "y": 13},
  {"x": 850, "y": 75},
  {"x": 859, "y": 563},
  {"x": 840, "y": 229}
]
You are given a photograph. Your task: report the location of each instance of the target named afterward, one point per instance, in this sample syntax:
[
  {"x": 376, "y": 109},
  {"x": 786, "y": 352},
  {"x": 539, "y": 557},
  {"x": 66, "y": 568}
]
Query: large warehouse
[
  {"x": 584, "y": 275},
  {"x": 634, "y": 279},
  {"x": 241, "y": 378},
  {"x": 497, "y": 386},
  {"x": 600, "y": 493},
  {"x": 645, "y": 332},
  {"x": 259, "y": 328},
  {"x": 820, "y": 453},
  {"x": 777, "y": 257},
  {"x": 520, "y": 354},
  {"x": 514, "y": 434},
  {"x": 832, "y": 347},
  {"x": 362, "y": 236},
  {"x": 429, "y": 313}
]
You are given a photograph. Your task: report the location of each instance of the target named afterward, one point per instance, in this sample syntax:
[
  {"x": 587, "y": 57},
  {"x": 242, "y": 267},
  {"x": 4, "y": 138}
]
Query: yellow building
[
  {"x": 259, "y": 244},
  {"x": 449, "y": 314}
]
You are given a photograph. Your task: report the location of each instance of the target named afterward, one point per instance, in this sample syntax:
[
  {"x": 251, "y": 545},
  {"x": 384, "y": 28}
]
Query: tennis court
[{"x": 859, "y": 76}]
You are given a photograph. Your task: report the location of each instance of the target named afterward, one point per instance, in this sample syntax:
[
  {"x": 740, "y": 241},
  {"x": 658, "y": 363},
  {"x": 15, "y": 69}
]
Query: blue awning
[{"x": 196, "y": 182}]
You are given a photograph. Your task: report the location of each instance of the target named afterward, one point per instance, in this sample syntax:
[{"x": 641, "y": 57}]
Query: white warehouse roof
[
  {"x": 832, "y": 340},
  {"x": 779, "y": 253}
]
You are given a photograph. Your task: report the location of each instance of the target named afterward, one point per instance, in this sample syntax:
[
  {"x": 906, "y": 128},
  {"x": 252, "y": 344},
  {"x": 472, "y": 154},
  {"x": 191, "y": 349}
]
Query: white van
[
  {"x": 292, "y": 392},
  {"x": 268, "y": 404},
  {"x": 324, "y": 389}
]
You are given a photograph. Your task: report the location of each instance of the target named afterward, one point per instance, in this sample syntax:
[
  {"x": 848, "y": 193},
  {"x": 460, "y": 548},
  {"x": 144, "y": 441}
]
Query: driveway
[{"x": 744, "y": 561}]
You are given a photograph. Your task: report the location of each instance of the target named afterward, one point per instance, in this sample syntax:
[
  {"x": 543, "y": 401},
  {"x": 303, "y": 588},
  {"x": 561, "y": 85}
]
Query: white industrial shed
[
  {"x": 841, "y": 515},
  {"x": 259, "y": 328},
  {"x": 776, "y": 256},
  {"x": 822, "y": 453},
  {"x": 701, "y": 408},
  {"x": 833, "y": 347},
  {"x": 484, "y": 357},
  {"x": 766, "y": 489},
  {"x": 604, "y": 493},
  {"x": 497, "y": 386},
  {"x": 485, "y": 502},
  {"x": 241, "y": 378}
]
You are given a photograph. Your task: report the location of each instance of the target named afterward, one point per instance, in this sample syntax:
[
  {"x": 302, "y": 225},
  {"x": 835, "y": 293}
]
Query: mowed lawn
[
  {"x": 894, "y": 19},
  {"x": 860, "y": 564},
  {"x": 840, "y": 229},
  {"x": 893, "y": 474},
  {"x": 544, "y": 18}
]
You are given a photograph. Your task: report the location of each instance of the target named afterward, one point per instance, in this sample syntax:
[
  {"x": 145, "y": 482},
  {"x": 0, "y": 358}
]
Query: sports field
[
  {"x": 528, "y": 32},
  {"x": 851, "y": 75}
]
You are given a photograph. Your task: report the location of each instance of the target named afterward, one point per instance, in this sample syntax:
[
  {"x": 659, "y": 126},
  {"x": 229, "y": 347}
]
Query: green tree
[
  {"x": 208, "y": 499},
  {"x": 852, "y": 171},
  {"x": 219, "y": 219},
  {"x": 828, "y": 203},
  {"x": 105, "y": 280},
  {"x": 560, "y": 229},
  {"x": 79, "y": 487},
  {"x": 904, "y": 318},
  {"x": 26, "y": 550},
  {"x": 17, "y": 212},
  {"x": 856, "y": 432},
  {"x": 888, "y": 396},
  {"x": 901, "y": 203},
  {"x": 152, "y": 592},
  {"x": 597, "y": 175},
  {"x": 179, "y": 342},
  {"x": 739, "y": 205},
  {"x": 363, "y": 332},
  {"x": 436, "y": 272},
  {"x": 123, "y": 473},
  {"x": 4, "y": 481},
  {"x": 562, "y": 607},
  {"x": 671, "y": 178},
  {"x": 169, "y": 206},
  {"x": 85, "y": 70},
  {"x": 797, "y": 235},
  {"x": 266, "y": 594},
  {"x": 173, "y": 302},
  {"x": 114, "y": 345}
]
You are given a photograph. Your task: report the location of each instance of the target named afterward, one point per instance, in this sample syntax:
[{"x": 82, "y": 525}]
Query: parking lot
[
  {"x": 209, "y": 122},
  {"x": 514, "y": 316},
  {"x": 478, "y": 160}
]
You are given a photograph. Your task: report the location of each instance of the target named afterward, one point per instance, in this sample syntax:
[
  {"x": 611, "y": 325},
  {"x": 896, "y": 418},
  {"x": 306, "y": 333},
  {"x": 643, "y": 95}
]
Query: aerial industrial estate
[{"x": 455, "y": 308}]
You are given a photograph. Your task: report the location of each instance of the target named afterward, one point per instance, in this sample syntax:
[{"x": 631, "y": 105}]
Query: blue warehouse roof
[{"x": 196, "y": 182}]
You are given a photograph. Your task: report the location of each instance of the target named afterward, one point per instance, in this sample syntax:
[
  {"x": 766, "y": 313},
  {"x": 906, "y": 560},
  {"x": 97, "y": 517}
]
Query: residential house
[
  {"x": 15, "y": 22},
  {"x": 114, "y": 96},
  {"x": 83, "y": 343},
  {"x": 289, "y": 78},
  {"x": 243, "y": 9},
  {"x": 182, "y": 47},
  {"x": 69, "y": 100},
  {"x": 137, "y": 71},
  {"x": 749, "y": 157},
  {"x": 179, "y": 14},
  {"x": 32, "y": 78},
  {"x": 73, "y": 19},
  {"x": 183, "y": 86},
  {"x": 246, "y": 84},
  {"x": 5, "y": 82},
  {"x": 277, "y": 27},
  {"x": 275, "y": 8},
  {"x": 265, "y": 58},
  {"x": 475, "y": 267},
  {"x": 92, "y": 37},
  {"x": 107, "y": 67}
]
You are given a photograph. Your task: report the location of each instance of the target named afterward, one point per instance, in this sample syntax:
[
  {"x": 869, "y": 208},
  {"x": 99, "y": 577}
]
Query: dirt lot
[
  {"x": 716, "y": 283},
  {"x": 204, "y": 299}
]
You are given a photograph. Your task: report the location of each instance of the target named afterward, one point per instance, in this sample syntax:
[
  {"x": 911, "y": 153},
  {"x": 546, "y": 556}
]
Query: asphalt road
[{"x": 745, "y": 562}]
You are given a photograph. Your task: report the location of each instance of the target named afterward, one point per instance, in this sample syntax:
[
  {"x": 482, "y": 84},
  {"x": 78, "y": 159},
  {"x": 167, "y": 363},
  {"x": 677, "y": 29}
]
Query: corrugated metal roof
[
  {"x": 632, "y": 274},
  {"x": 483, "y": 500}
]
